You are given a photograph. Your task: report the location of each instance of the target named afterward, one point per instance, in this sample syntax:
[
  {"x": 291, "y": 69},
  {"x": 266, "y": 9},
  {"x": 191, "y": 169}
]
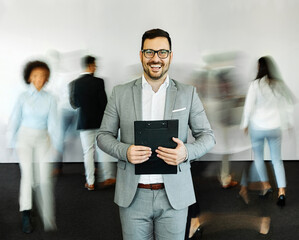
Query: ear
[
  {"x": 170, "y": 57},
  {"x": 140, "y": 55}
]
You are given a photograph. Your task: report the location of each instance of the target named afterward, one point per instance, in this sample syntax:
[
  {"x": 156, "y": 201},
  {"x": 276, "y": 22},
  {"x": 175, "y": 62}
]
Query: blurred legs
[
  {"x": 34, "y": 152},
  {"x": 88, "y": 144}
]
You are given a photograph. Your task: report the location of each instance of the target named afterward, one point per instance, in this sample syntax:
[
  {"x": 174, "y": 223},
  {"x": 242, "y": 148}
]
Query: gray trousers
[{"x": 150, "y": 216}]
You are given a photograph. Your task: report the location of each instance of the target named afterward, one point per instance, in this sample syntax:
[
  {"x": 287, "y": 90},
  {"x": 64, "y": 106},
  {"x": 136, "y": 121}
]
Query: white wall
[{"x": 112, "y": 30}]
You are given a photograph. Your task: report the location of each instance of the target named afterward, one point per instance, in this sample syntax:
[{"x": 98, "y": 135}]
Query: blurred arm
[
  {"x": 54, "y": 126},
  {"x": 248, "y": 106},
  {"x": 14, "y": 123},
  {"x": 72, "y": 95},
  {"x": 201, "y": 130}
]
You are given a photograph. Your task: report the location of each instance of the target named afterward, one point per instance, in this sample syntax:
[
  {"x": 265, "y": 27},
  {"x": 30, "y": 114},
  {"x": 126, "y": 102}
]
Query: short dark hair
[
  {"x": 153, "y": 33},
  {"x": 87, "y": 60},
  {"x": 30, "y": 66}
]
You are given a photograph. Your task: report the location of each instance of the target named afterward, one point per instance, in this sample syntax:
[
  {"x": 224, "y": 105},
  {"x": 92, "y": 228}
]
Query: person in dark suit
[{"x": 87, "y": 93}]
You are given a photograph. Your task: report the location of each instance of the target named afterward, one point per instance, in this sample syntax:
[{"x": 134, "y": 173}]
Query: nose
[{"x": 156, "y": 57}]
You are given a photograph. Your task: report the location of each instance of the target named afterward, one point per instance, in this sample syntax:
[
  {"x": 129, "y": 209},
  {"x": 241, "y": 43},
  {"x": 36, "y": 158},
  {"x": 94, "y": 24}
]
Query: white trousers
[
  {"x": 34, "y": 151},
  {"x": 90, "y": 149}
]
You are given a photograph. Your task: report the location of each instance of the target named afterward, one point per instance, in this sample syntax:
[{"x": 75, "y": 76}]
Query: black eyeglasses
[{"x": 150, "y": 53}]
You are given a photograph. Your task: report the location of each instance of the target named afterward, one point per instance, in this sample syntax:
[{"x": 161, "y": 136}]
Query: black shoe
[
  {"x": 198, "y": 234},
  {"x": 265, "y": 193},
  {"x": 26, "y": 223},
  {"x": 281, "y": 201}
]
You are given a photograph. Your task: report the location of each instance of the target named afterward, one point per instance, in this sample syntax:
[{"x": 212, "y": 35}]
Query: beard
[{"x": 155, "y": 76}]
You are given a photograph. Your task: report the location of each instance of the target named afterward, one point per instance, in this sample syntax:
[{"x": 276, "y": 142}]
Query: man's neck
[
  {"x": 88, "y": 70},
  {"x": 155, "y": 84}
]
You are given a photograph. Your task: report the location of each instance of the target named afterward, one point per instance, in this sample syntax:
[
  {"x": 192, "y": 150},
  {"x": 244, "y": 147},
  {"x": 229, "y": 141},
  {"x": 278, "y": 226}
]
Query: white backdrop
[{"x": 61, "y": 31}]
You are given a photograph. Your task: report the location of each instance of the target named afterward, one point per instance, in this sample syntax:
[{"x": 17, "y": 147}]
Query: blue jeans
[{"x": 273, "y": 137}]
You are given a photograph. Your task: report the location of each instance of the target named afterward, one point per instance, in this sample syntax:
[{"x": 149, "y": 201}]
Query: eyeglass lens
[{"x": 151, "y": 53}]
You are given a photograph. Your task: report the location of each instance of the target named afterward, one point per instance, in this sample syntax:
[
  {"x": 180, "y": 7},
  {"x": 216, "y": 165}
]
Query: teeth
[{"x": 155, "y": 66}]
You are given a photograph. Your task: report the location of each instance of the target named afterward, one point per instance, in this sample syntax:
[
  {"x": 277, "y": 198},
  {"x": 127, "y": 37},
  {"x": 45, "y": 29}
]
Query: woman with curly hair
[{"x": 33, "y": 131}]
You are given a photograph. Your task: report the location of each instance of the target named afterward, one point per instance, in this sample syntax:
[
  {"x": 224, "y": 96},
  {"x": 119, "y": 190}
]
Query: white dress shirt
[{"x": 153, "y": 105}]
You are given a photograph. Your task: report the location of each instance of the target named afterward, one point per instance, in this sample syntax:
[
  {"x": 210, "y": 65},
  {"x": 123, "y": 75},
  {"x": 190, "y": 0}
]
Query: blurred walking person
[
  {"x": 87, "y": 93},
  {"x": 267, "y": 111},
  {"x": 32, "y": 130}
]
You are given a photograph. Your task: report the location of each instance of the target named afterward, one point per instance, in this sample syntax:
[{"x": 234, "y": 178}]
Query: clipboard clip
[{"x": 156, "y": 125}]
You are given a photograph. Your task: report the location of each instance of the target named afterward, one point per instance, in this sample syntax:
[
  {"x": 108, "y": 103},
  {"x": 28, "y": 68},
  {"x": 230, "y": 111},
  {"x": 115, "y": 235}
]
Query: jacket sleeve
[
  {"x": 108, "y": 133},
  {"x": 104, "y": 98},
  {"x": 72, "y": 95}
]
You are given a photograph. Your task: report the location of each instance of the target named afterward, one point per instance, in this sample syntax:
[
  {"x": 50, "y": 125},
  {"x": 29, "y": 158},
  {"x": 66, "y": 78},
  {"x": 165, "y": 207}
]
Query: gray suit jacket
[{"x": 124, "y": 107}]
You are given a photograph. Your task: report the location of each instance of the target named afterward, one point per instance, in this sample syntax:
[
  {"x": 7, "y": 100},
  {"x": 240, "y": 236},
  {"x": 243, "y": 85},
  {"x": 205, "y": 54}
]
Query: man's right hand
[{"x": 138, "y": 154}]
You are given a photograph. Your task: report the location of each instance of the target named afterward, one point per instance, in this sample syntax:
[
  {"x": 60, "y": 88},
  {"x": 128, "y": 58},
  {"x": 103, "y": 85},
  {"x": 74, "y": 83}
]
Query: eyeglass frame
[{"x": 168, "y": 52}]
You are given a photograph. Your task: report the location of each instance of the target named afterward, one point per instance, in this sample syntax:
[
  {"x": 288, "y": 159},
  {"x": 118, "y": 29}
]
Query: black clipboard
[{"x": 154, "y": 134}]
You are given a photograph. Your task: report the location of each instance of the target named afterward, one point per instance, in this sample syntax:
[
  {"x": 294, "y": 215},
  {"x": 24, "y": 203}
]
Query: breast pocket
[{"x": 179, "y": 111}]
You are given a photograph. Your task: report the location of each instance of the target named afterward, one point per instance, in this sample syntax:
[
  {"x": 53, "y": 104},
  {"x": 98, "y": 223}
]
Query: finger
[
  {"x": 178, "y": 141},
  {"x": 141, "y": 153},
  {"x": 174, "y": 162},
  {"x": 167, "y": 150},
  {"x": 138, "y": 158},
  {"x": 166, "y": 156},
  {"x": 141, "y": 148},
  {"x": 138, "y": 161},
  {"x": 171, "y": 162}
]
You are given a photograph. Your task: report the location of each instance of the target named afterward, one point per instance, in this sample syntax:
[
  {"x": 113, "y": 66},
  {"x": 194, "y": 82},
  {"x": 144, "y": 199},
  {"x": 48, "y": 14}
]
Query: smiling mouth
[{"x": 155, "y": 67}]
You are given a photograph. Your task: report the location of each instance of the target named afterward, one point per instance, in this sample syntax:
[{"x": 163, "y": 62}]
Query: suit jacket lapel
[
  {"x": 170, "y": 99},
  {"x": 137, "y": 96}
]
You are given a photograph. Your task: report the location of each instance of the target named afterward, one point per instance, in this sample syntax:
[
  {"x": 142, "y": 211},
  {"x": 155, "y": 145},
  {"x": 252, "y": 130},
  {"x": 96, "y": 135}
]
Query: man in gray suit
[{"x": 154, "y": 206}]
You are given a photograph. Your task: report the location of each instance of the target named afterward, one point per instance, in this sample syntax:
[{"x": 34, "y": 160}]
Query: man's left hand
[{"x": 173, "y": 156}]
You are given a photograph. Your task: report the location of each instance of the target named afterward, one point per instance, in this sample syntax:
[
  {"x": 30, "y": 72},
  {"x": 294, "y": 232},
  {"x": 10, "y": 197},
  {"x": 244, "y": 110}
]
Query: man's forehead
[{"x": 156, "y": 43}]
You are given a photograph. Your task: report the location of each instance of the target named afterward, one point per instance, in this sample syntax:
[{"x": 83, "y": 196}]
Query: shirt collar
[
  {"x": 146, "y": 84},
  {"x": 85, "y": 73}
]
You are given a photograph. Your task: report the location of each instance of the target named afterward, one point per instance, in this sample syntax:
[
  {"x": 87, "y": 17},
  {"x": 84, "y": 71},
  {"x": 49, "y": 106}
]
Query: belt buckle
[{"x": 155, "y": 186}]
